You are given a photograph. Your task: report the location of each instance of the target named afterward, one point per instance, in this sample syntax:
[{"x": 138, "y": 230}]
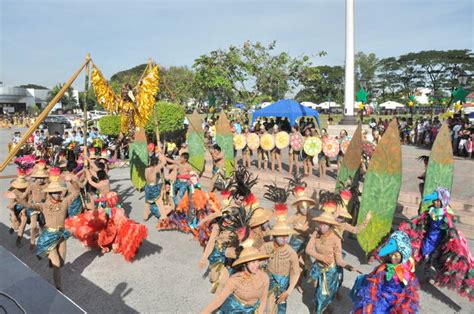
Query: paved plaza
[{"x": 165, "y": 278}]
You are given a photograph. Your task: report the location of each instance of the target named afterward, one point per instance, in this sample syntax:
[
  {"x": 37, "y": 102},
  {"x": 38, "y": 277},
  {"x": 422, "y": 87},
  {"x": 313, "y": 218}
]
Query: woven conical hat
[
  {"x": 55, "y": 184},
  {"x": 19, "y": 183},
  {"x": 40, "y": 173},
  {"x": 239, "y": 141},
  {"x": 249, "y": 253},
  {"x": 327, "y": 218},
  {"x": 260, "y": 216},
  {"x": 342, "y": 212},
  {"x": 282, "y": 140},
  {"x": 304, "y": 198},
  {"x": 281, "y": 229}
]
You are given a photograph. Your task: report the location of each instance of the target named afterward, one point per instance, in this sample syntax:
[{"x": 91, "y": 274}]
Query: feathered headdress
[
  {"x": 423, "y": 158},
  {"x": 296, "y": 184},
  {"x": 242, "y": 185},
  {"x": 329, "y": 201},
  {"x": 237, "y": 221},
  {"x": 278, "y": 195}
]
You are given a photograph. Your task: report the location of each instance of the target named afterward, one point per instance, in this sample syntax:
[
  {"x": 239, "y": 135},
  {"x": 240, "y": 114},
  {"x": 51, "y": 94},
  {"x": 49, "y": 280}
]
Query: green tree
[
  {"x": 33, "y": 86},
  {"x": 89, "y": 98},
  {"x": 68, "y": 100},
  {"x": 366, "y": 66},
  {"x": 176, "y": 84},
  {"x": 248, "y": 74},
  {"x": 322, "y": 83}
]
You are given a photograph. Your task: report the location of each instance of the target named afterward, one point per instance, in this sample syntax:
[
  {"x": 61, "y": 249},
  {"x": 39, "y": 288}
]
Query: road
[{"x": 164, "y": 277}]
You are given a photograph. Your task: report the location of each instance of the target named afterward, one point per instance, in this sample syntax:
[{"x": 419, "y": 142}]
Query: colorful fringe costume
[
  {"x": 389, "y": 288},
  {"x": 109, "y": 228},
  {"x": 435, "y": 239}
]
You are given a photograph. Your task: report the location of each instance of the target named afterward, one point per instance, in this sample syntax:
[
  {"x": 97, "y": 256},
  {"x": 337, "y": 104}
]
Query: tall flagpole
[{"x": 349, "y": 66}]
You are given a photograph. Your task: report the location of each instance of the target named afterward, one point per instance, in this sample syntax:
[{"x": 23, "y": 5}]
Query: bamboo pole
[
  {"x": 43, "y": 115},
  {"x": 86, "y": 89}
]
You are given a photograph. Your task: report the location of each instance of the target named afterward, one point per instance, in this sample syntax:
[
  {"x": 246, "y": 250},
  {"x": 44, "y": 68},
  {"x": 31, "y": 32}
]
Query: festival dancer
[
  {"x": 392, "y": 287},
  {"x": 35, "y": 194},
  {"x": 19, "y": 188},
  {"x": 283, "y": 265},
  {"x": 102, "y": 185},
  {"x": 153, "y": 187},
  {"x": 246, "y": 152},
  {"x": 74, "y": 185},
  {"x": 183, "y": 173},
  {"x": 443, "y": 249},
  {"x": 294, "y": 156},
  {"x": 259, "y": 225},
  {"x": 215, "y": 249},
  {"x": 218, "y": 165},
  {"x": 246, "y": 290},
  {"x": 326, "y": 248},
  {"x": 52, "y": 241},
  {"x": 275, "y": 153},
  {"x": 301, "y": 219}
]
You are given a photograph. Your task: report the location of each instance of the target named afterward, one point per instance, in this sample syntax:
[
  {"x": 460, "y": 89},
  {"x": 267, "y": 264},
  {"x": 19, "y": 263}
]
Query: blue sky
[{"x": 44, "y": 42}]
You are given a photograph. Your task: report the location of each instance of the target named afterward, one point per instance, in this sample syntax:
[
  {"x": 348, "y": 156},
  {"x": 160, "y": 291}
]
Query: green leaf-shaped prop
[
  {"x": 138, "y": 153},
  {"x": 196, "y": 147},
  {"x": 351, "y": 160},
  {"x": 381, "y": 189},
  {"x": 224, "y": 138},
  {"x": 440, "y": 165}
]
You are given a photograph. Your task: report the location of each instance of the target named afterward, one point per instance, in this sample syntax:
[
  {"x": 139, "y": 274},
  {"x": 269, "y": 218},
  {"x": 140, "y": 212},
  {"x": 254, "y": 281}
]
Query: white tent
[
  {"x": 328, "y": 104},
  {"x": 309, "y": 104},
  {"x": 391, "y": 105}
]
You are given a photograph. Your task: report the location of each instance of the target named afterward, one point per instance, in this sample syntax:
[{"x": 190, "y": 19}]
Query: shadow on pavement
[
  {"x": 81, "y": 290},
  {"x": 434, "y": 291}
]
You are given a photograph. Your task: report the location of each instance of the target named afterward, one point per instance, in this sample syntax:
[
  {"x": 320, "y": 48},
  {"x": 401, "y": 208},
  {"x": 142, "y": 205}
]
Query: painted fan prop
[
  {"x": 267, "y": 142},
  {"x": 368, "y": 148},
  {"x": 331, "y": 147},
  {"x": 313, "y": 146},
  {"x": 296, "y": 141},
  {"x": 138, "y": 159},
  {"x": 196, "y": 148},
  {"x": 226, "y": 142},
  {"x": 351, "y": 160},
  {"x": 253, "y": 141},
  {"x": 345, "y": 144},
  {"x": 381, "y": 189},
  {"x": 239, "y": 141},
  {"x": 282, "y": 140},
  {"x": 440, "y": 165}
]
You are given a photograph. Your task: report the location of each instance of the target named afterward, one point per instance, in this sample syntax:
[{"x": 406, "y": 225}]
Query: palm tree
[{"x": 68, "y": 101}]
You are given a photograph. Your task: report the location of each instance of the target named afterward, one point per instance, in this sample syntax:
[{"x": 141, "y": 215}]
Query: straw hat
[
  {"x": 19, "y": 183},
  {"x": 260, "y": 216},
  {"x": 249, "y": 253},
  {"x": 55, "y": 185},
  {"x": 342, "y": 212},
  {"x": 327, "y": 218},
  {"x": 40, "y": 172},
  {"x": 304, "y": 198},
  {"x": 280, "y": 229}
]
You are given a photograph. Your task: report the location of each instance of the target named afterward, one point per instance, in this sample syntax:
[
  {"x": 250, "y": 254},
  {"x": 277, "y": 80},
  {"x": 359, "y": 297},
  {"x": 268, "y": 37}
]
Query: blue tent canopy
[{"x": 288, "y": 108}]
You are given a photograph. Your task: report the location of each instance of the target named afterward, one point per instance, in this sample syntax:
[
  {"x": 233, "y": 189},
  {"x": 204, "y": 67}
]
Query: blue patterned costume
[
  {"x": 328, "y": 283},
  {"x": 278, "y": 285},
  {"x": 152, "y": 192},
  {"x": 180, "y": 187},
  {"x": 75, "y": 208},
  {"x": 233, "y": 305},
  {"x": 297, "y": 243},
  {"x": 49, "y": 239}
]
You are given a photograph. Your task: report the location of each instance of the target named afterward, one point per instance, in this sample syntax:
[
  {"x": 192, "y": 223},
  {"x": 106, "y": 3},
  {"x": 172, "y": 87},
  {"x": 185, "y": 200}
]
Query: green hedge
[
  {"x": 169, "y": 115},
  {"x": 109, "y": 125}
]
